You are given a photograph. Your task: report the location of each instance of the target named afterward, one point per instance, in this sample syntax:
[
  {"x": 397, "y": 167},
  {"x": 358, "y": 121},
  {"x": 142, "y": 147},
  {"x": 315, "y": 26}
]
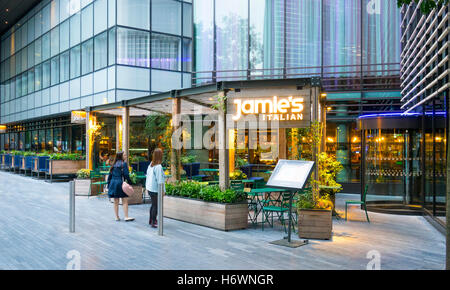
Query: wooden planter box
[
  {"x": 315, "y": 224},
  {"x": 82, "y": 187},
  {"x": 65, "y": 166},
  {"x": 220, "y": 216}
]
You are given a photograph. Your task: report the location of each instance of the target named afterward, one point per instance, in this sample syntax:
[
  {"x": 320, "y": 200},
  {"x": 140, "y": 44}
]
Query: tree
[{"x": 426, "y": 6}]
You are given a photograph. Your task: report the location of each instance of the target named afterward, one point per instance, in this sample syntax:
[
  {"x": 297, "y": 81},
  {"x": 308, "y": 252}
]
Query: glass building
[
  {"x": 353, "y": 45},
  {"x": 66, "y": 55}
]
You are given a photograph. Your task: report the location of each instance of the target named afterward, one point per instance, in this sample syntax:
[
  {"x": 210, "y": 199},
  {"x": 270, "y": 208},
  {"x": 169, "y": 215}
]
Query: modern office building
[{"x": 66, "y": 55}]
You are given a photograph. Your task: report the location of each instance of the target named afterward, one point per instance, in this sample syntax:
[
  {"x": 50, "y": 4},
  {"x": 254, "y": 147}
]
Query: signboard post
[{"x": 291, "y": 175}]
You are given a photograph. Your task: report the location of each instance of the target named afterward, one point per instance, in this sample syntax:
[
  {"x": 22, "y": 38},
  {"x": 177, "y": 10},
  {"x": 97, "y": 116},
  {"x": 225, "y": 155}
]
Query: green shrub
[
  {"x": 197, "y": 190},
  {"x": 186, "y": 159},
  {"x": 67, "y": 156}
]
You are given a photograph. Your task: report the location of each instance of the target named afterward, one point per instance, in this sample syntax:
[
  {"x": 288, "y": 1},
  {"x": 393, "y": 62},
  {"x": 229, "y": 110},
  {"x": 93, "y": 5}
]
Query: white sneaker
[
  {"x": 129, "y": 219},
  {"x": 117, "y": 219}
]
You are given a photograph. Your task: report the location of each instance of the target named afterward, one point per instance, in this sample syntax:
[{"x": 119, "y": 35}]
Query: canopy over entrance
[{"x": 291, "y": 103}]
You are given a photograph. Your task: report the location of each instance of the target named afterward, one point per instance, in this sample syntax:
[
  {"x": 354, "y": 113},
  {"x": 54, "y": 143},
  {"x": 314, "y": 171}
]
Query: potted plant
[
  {"x": 238, "y": 175},
  {"x": 65, "y": 164},
  {"x": 314, "y": 216},
  {"x": 197, "y": 203},
  {"x": 83, "y": 183},
  {"x": 329, "y": 168}
]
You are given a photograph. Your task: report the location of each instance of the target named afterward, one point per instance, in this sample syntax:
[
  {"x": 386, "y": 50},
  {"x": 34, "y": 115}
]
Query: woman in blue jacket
[{"x": 117, "y": 174}]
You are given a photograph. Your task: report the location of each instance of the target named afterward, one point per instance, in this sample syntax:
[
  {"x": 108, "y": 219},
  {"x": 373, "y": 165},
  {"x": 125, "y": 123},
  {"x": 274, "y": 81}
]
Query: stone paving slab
[{"x": 34, "y": 234}]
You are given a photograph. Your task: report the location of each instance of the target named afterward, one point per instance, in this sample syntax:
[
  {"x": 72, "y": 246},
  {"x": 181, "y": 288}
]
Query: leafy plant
[
  {"x": 197, "y": 190},
  {"x": 221, "y": 103},
  {"x": 137, "y": 158},
  {"x": 237, "y": 175},
  {"x": 239, "y": 162},
  {"x": 159, "y": 132},
  {"x": 307, "y": 200},
  {"x": 186, "y": 159},
  {"x": 67, "y": 156},
  {"x": 29, "y": 153},
  {"x": 133, "y": 177},
  {"x": 329, "y": 168},
  {"x": 84, "y": 174}
]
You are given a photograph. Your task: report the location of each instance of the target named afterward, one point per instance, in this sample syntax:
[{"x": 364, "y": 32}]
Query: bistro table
[{"x": 258, "y": 203}]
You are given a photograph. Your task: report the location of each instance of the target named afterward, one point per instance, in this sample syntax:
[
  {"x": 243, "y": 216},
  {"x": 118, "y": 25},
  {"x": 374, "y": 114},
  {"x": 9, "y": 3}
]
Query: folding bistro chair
[{"x": 361, "y": 202}]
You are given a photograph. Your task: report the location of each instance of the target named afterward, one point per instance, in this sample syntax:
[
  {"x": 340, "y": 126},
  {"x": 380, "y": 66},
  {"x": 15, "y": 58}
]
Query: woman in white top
[{"x": 155, "y": 177}]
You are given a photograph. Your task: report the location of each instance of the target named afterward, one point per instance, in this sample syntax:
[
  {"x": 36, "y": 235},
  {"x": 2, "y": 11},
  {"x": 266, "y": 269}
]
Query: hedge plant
[{"x": 197, "y": 190}]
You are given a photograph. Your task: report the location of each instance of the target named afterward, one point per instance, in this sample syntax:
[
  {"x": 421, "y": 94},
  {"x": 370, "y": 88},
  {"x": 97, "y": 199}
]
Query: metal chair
[
  {"x": 361, "y": 202},
  {"x": 279, "y": 209}
]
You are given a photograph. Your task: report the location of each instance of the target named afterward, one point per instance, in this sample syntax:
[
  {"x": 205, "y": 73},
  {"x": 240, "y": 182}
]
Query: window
[
  {"x": 87, "y": 57},
  {"x": 112, "y": 46},
  {"x": 24, "y": 83},
  {"x": 187, "y": 20},
  {"x": 46, "y": 46},
  {"x": 38, "y": 24},
  {"x": 187, "y": 55},
  {"x": 31, "y": 29},
  {"x": 38, "y": 77},
  {"x": 75, "y": 62},
  {"x": 64, "y": 9},
  {"x": 54, "y": 41},
  {"x": 75, "y": 29},
  {"x": 24, "y": 54},
  {"x": 31, "y": 81},
  {"x": 54, "y": 13},
  {"x": 46, "y": 74},
  {"x": 134, "y": 13},
  {"x": 166, "y": 16},
  {"x": 55, "y": 71},
  {"x": 65, "y": 68},
  {"x": 100, "y": 16},
  {"x": 38, "y": 51},
  {"x": 166, "y": 52},
  {"x": 100, "y": 51},
  {"x": 64, "y": 42},
  {"x": 31, "y": 55},
  {"x": 46, "y": 19},
  {"x": 133, "y": 47},
  {"x": 87, "y": 23}
]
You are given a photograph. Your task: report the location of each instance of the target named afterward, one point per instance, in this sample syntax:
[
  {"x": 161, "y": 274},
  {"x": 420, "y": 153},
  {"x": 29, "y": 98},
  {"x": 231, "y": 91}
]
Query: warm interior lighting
[
  {"x": 438, "y": 139},
  {"x": 355, "y": 139},
  {"x": 330, "y": 139},
  {"x": 328, "y": 108}
]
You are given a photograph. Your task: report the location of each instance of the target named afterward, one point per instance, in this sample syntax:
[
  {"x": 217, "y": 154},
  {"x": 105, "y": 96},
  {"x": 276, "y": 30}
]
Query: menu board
[{"x": 291, "y": 174}]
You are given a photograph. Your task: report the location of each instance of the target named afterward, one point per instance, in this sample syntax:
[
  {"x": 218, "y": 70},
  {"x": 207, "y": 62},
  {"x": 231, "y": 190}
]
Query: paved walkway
[{"x": 34, "y": 235}]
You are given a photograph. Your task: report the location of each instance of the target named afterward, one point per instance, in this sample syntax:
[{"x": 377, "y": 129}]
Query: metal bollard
[
  {"x": 160, "y": 209},
  {"x": 72, "y": 206}
]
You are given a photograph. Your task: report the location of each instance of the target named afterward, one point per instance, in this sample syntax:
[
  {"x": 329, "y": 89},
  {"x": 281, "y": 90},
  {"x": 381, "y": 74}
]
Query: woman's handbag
[{"x": 126, "y": 188}]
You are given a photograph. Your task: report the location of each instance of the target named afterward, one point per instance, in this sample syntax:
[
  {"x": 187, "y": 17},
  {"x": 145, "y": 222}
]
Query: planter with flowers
[
  {"x": 314, "y": 216},
  {"x": 83, "y": 183},
  {"x": 65, "y": 164}
]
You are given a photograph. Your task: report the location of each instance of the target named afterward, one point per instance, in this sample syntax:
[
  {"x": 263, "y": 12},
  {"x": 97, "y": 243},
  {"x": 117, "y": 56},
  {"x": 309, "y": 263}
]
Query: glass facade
[
  {"x": 341, "y": 41},
  {"x": 68, "y": 54}
]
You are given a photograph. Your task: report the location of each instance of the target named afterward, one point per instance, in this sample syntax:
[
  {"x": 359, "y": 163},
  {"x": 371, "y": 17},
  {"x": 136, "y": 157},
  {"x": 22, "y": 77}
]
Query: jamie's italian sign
[{"x": 292, "y": 111}]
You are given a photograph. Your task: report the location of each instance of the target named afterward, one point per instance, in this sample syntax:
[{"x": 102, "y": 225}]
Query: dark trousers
[{"x": 154, "y": 207}]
